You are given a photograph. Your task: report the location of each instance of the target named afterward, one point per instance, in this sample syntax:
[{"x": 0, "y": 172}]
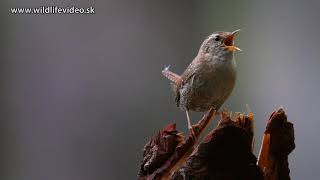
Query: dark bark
[
  {"x": 168, "y": 150},
  {"x": 278, "y": 143},
  {"x": 224, "y": 154}
]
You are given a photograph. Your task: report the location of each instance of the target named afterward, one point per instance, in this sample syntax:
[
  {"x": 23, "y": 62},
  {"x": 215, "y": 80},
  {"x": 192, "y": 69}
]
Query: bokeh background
[{"x": 82, "y": 94}]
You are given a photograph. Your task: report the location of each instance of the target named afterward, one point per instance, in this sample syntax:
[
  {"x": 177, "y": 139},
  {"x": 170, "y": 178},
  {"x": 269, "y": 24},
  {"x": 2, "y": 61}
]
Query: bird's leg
[{"x": 193, "y": 135}]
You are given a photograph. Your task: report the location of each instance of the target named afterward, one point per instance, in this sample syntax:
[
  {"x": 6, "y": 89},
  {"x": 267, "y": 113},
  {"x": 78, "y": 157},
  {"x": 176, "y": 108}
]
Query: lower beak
[{"x": 228, "y": 42}]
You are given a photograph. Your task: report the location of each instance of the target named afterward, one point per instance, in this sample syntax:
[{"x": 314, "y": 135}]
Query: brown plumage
[{"x": 209, "y": 79}]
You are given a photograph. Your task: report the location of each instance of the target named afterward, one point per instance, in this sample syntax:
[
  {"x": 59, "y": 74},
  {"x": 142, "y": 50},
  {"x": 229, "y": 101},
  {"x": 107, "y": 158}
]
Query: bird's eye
[{"x": 217, "y": 38}]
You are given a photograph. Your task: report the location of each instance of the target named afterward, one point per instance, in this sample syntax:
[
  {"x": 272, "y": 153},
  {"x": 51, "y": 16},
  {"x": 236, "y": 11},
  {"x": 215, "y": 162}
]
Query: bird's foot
[
  {"x": 191, "y": 130},
  {"x": 192, "y": 133}
]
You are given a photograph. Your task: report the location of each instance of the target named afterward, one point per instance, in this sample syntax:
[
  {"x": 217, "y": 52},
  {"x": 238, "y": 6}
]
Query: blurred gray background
[{"x": 82, "y": 94}]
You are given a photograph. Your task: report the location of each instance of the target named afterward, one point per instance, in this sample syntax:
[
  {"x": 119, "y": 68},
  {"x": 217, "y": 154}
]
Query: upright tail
[{"x": 173, "y": 77}]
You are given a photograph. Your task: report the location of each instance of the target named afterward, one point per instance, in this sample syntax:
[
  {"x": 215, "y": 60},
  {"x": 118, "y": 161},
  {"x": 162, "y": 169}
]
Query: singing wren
[{"x": 210, "y": 77}]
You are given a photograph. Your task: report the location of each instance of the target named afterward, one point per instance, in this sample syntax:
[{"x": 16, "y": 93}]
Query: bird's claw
[{"x": 192, "y": 133}]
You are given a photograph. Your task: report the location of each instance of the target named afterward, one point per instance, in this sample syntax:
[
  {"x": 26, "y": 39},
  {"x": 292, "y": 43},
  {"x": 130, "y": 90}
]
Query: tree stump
[{"x": 225, "y": 153}]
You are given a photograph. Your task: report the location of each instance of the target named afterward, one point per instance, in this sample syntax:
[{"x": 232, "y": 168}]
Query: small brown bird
[{"x": 209, "y": 79}]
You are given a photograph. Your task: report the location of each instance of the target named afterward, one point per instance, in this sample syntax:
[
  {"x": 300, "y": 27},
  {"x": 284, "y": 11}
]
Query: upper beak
[{"x": 228, "y": 42}]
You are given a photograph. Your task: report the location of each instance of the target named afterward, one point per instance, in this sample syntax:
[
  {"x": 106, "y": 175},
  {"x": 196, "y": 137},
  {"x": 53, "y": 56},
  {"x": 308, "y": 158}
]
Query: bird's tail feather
[{"x": 173, "y": 77}]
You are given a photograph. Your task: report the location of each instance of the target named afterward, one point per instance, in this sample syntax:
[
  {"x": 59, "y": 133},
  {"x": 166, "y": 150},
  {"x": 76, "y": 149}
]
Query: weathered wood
[
  {"x": 224, "y": 154},
  {"x": 168, "y": 150},
  {"x": 278, "y": 142}
]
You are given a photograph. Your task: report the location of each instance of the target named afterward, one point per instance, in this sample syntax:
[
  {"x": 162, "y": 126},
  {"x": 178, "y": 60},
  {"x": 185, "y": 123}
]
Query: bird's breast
[{"x": 211, "y": 85}]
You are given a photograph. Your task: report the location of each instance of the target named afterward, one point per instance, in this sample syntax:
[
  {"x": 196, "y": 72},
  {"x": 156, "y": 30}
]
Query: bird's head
[{"x": 220, "y": 43}]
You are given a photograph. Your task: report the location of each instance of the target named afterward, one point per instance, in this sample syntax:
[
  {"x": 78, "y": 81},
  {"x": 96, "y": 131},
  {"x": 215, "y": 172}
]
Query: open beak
[{"x": 228, "y": 42}]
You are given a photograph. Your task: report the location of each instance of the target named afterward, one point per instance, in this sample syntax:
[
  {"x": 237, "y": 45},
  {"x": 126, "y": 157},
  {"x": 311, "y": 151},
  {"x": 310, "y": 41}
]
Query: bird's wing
[
  {"x": 186, "y": 77},
  {"x": 189, "y": 73}
]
